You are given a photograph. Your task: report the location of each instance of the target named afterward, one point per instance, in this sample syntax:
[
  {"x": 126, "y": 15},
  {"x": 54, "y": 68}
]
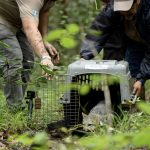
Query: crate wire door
[
  {"x": 50, "y": 92},
  {"x": 79, "y": 103}
]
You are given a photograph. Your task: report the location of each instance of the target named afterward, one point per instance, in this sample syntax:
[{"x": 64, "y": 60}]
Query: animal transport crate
[
  {"x": 59, "y": 101},
  {"x": 90, "y": 72},
  {"x": 82, "y": 69}
]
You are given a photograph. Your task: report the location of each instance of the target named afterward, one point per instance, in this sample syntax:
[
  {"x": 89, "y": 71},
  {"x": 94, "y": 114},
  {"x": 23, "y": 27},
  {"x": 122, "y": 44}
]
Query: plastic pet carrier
[
  {"x": 90, "y": 72},
  {"x": 60, "y": 100}
]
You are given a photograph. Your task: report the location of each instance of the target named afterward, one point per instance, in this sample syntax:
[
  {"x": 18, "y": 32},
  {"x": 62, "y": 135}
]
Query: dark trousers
[{"x": 15, "y": 64}]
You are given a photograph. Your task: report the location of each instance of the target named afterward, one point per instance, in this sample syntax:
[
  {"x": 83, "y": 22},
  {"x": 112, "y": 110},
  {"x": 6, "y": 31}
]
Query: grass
[
  {"x": 131, "y": 123},
  {"x": 11, "y": 121},
  {"x": 50, "y": 110}
]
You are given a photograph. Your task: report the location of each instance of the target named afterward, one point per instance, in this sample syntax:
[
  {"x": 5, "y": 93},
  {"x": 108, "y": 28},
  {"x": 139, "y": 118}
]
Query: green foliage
[
  {"x": 40, "y": 140},
  {"x": 84, "y": 89},
  {"x": 9, "y": 120},
  {"x": 2, "y": 44},
  {"x": 120, "y": 140},
  {"x": 98, "y": 4},
  {"x": 25, "y": 139},
  {"x": 72, "y": 29},
  {"x": 69, "y": 23},
  {"x": 144, "y": 107},
  {"x": 141, "y": 139},
  {"x": 55, "y": 34},
  {"x": 64, "y": 36},
  {"x": 74, "y": 17},
  {"x": 47, "y": 70},
  {"x": 96, "y": 82},
  {"x": 68, "y": 42}
]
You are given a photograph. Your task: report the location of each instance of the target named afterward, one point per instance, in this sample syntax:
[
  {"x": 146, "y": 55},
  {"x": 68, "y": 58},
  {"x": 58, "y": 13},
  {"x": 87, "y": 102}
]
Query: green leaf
[
  {"x": 141, "y": 139},
  {"x": 55, "y": 35},
  {"x": 144, "y": 107},
  {"x": 95, "y": 142},
  {"x": 41, "y": 79},
  {"x": 2, "y": 44},
  {"x": 112, "y": 80},
  {"x": 40, "y": 138},
  {"x": 72, "y": 29},
  {"x": 84, "y": 89},
  {"x": 47, "y": 70},
  {"x": 25, "y": 139},
  {"x": 68, "y": 42},
  {"x": 98, "y": 4},
  {"x": 121, "y": 140},
  {"x": 94, "y": 32}
]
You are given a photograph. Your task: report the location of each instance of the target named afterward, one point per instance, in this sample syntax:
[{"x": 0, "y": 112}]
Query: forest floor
[{"x": 16, "y": 134}]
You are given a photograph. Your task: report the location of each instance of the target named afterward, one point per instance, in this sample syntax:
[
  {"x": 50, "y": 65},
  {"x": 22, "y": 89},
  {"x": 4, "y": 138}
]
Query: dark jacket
[{"x": 107, "y": 23}]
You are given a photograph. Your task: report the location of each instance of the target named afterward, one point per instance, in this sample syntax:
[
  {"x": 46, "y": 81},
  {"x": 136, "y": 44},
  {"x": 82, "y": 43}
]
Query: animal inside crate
[{"x": 82, "y": 72}]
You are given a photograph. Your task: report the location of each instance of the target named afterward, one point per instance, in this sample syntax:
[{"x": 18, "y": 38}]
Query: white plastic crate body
[{"x": 110, "y": 67}]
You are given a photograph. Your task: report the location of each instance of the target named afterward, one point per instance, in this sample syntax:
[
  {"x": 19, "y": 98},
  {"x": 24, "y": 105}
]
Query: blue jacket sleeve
[
  {"x": 144, "y": 68},
  {"x": 144, "y": 27},
  {"x": 100, "y": 31}
]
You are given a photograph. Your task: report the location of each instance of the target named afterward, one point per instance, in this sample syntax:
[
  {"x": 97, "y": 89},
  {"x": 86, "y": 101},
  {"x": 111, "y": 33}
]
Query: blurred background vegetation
[{"x": 79, "y": 12}]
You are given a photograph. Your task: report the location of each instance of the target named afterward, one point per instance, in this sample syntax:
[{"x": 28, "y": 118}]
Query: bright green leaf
[
  {"x": 47, "y": 70},
  {"x": 144, "y": 107},
  {"x": 68, "y": 42},
  {"x": 98, "y": 4},
  {"x": 25, "y": 139},
  {"x": 2, "y": 44},
  {"x": 84, "y": 89},
  {"x": 142, "y": 138},
  {"x": 55, "y": 34},
  {"x": 40, "y": 138},
  {"x": 72, "y": 29}
]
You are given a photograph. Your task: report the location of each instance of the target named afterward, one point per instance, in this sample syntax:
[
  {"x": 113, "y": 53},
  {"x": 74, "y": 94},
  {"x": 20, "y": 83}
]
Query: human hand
[
  {"x": 47, "y": 63},
  {"x": 137, "y": 87},
  {"x": 53, "y": 52}
]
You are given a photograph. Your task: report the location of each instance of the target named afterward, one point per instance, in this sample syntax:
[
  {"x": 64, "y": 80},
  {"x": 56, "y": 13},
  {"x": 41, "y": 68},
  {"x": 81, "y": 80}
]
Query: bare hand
[
  {"x": 137, "y": 87},
  {"x": 53, "y": 52},
  {"x": 47, "y": 63}
]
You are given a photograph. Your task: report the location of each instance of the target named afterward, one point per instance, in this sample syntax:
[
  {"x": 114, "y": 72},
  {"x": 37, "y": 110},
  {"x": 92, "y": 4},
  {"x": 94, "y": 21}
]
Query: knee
[{"x": 12, "y": 69}]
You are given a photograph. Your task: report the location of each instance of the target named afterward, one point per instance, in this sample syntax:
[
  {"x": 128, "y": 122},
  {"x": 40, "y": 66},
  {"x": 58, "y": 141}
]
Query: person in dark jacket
[
  {"x": 113, "y": 50},
  {"x": 132, "y": 19}
]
